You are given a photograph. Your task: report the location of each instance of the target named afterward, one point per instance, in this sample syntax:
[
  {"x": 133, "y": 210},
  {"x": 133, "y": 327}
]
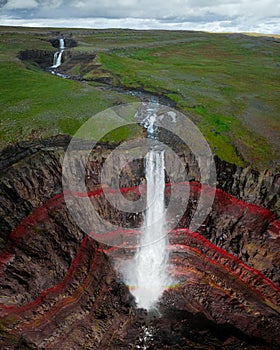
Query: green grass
[
  {"x": 227, "y": 84},
  {"x": 215, "y": 79},
  {"x": 36, "y": 104},
  {"x": 115, "y": 124},
  {"x": 219, "y": 130}
]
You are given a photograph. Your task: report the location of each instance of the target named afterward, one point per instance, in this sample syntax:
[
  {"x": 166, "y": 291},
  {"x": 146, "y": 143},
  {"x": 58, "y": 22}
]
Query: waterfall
[
  {"x": 57, "y": 58},
  {"x": 149, "y": 276},
  {"x": 61, "y": 44},
  {"x": 151, "y": 257}
]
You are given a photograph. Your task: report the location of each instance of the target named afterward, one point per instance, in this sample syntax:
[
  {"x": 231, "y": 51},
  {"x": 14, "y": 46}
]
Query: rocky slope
[{"x": 59, "y": 288}]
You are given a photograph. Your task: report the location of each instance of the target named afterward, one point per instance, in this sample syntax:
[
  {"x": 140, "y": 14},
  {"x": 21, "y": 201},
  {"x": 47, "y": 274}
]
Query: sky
[{"x": 260, "y": 16}]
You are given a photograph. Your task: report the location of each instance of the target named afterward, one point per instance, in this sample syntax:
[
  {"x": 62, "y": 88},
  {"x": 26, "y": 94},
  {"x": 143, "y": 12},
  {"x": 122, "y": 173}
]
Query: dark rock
[
  {"x": 69, "y": 42},
  {"x": 42, "y": 58},
  {"x": 59, "y": 288}
]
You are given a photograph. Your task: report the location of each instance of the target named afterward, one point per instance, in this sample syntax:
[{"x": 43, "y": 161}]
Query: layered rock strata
[{"x": 59, "y": 288}]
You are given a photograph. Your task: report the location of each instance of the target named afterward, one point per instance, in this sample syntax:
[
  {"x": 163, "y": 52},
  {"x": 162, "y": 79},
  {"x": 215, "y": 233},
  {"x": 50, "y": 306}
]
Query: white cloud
[
  {"x": 51, "y": 3},
  {"x": 21, "y": 4},
  {"x": 80, "y": 4},
  {"x": 217, "y": 14},
  {"x": 238, "y": 25},
  {"x": 176, "y": 8}
]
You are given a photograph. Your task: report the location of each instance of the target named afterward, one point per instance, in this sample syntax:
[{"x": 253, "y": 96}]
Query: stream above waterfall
[{"x": 141, "y": 94}]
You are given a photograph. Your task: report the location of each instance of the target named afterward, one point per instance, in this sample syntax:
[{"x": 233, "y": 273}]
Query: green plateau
[{"x": 227, "y": 84}]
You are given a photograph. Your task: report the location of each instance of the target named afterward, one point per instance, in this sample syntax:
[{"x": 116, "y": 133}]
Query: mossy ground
[{"x": 227, "y": 84}]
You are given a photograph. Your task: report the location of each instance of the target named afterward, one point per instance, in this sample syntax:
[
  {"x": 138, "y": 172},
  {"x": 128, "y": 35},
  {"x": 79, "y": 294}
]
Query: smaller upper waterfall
[
  {"x": 57, "y": 58},
  {"x": 61, "y": 44}
]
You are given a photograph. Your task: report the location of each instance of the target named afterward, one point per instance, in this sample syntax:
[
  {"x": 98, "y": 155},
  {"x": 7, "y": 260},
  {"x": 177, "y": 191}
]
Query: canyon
[
  {"x": 64, "y": 287},
  {"x": 61, "y": 287}
]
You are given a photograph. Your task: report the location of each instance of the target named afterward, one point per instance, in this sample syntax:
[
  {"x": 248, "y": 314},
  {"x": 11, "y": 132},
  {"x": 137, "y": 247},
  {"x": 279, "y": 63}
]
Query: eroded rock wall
[{"x": 60, "y": 290}]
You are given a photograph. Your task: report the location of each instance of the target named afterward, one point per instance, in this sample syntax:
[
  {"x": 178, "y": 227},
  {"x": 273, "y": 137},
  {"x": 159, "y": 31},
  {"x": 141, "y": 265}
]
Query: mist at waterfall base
[{"x": 146, "y": 275}]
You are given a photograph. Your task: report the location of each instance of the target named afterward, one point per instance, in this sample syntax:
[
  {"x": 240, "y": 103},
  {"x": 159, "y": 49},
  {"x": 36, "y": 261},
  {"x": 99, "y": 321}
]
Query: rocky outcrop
[
  {"x": 72, "y": 67},
  {"x": 26, "y": 187},
  {"x": 259, "y": 188},
  {"x": 79, "y": 65},
  {"x": 69, "y": 42},
  {"x": 59, "y": 288},
  {"x": 14, "y": 153},
  {"x": 42, "y": 58},
  {"x": 74, "y": 313}
]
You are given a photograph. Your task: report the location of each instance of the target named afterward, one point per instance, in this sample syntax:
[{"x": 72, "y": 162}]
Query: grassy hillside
[
  {"x": 35, "y": 103},
  {"x": 227, "y": 84}
]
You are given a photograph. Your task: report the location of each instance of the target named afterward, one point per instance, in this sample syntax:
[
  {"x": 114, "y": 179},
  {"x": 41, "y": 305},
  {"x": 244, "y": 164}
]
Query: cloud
[
  {"x": 237, "y": 25},
  {"x": 20, "y": 4},
  {"x": 3, "y": 2},
  {"x": 147, "y": 8},
  {"x": 53, "y": 4},
  {"x": 173, "y": 13}
]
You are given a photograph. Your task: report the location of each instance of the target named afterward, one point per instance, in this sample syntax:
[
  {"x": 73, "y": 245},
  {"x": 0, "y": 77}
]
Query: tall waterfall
[
  {"x": 57, "y": 59},
  {"x": 150, "y": 262}
]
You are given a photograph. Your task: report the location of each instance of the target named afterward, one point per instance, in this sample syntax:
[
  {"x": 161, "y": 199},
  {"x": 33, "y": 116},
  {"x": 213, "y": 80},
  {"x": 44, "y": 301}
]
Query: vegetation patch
[{"x": 212, "y": 77}]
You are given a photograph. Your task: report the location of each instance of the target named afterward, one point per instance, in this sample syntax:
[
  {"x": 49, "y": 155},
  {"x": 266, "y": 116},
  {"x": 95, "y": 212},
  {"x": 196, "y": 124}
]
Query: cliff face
[
  {"x": 259, "y": 188},
  {"x": 59, "y": 287},
  {"x": 71, "y": 60},
  {"x": 44, "y": 58},
  {"x": 69, "y": 42}
]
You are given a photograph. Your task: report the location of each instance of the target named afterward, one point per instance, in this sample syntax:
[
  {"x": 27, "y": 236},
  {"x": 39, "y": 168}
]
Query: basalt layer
[
  {"x": 44, "y": 58},
  {"x": 60, "y": 288}
]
